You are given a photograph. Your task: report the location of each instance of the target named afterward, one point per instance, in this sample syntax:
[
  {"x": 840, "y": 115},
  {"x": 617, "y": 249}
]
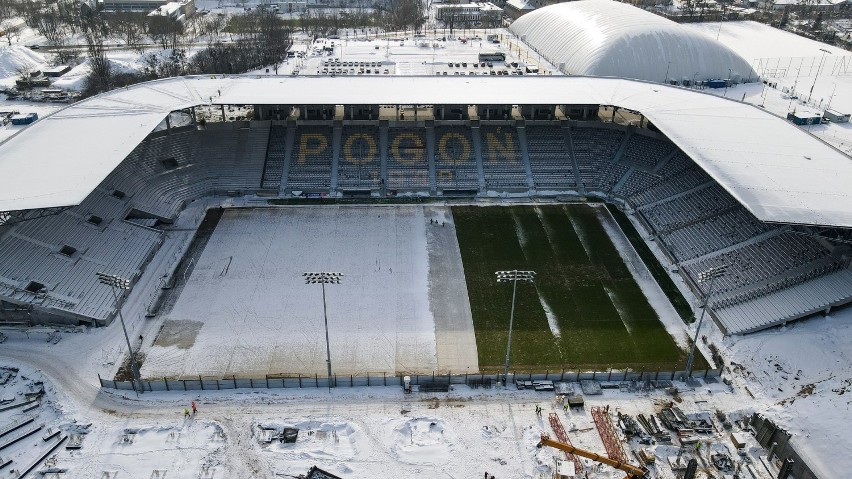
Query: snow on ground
[
  {"x": 374, "y": 432},
  {"x": 75, "y": 80},
  {"x": 803, "y": 374},
  {"x": 246, "y": 309},
  {"x": 17, "y": 58},
  {"x": 815, "y": 77}
]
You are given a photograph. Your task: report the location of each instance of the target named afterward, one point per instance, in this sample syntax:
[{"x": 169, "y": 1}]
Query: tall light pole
[
  {"x": 819, "y": 68},
  {"x": 727, "y": 81},
  {"x": 323, "y": 278},
  {"x": 709, "y": 275},
  {"x": 117, "y": 282},
  {"x": 514, "y": 276}
]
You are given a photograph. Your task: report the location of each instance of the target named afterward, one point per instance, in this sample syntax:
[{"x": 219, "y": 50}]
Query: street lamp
[
  {"x": 514, "y": 276},
  {"x": 704, "y": 276},
  {"x": 117, "y": 282},
  {"x": 666, "y": 81},
  {"x": 323, "y": 278}
]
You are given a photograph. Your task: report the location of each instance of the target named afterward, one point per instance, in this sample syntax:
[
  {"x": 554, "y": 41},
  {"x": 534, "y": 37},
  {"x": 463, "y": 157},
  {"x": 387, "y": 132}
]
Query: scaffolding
[
  {"x": 608, "y": 434},
  {"x": 562, "y": 436}
]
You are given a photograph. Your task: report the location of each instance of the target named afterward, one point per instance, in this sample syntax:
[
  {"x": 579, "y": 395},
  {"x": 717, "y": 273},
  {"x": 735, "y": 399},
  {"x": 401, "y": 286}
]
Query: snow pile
[
  {"x": 76, "y": 78},
  {"x": 318, "y": 440},
  {"x": 16, "y": 58},
  {"x": 421, "y": 440}
]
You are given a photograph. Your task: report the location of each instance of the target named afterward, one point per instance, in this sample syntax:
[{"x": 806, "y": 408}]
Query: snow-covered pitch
[{"x": 246, "y": 310}]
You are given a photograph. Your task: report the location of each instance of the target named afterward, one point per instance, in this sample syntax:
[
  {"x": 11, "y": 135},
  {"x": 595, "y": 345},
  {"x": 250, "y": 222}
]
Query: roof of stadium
[
  {"x": 776, "y": 170},
  {"x": 613, "y": 39}
]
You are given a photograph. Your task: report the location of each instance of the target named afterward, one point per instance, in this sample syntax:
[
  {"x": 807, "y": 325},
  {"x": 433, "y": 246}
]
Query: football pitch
[{"x": 584, "y": 310}]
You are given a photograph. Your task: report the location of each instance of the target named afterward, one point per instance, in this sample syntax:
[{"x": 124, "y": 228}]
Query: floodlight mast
[
  {"x": 323, "y": 278},
  {"x": 114, "y": 281},
  {"x": 514, "y": 276},
  {"x": 711, "y": 275}
]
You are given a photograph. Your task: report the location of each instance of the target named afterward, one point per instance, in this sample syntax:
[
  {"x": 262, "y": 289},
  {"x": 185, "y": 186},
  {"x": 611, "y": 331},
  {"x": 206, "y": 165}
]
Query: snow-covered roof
[
  {"x": 614, "y": 39},
  {"x": 775, "y": 169},
  {"x": 520, "y": 5}
]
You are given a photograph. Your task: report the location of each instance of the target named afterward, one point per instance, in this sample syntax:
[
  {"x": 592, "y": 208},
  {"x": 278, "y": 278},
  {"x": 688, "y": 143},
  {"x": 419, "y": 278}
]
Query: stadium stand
[
  {"x": 358, "y": 167},
  {"x": 549, "y": 160},
  {"x": 51, "y": 262},
  {"x": 501, "y": 158},
  {"x": 645, "y": 152},
  {"x": 455, "y": 160},
  {"x": 310, "y": 166},
  {"x": 408, "y": 162},
  {"x": 594, "y": 150},
  {"x": 276, "y": 154}
]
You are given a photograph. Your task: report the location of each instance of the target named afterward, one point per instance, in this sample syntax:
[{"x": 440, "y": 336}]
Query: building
[
  {"x": 187, "y": 6},
  {"x": 468, "y": 13},
  {"x": 56, "y": 71},
  {"x": 24, "y": 119},
  {"x": 515, "y": 9},
  {"x": 175, "y": 10},
  {"x": 613, "y": 39}
]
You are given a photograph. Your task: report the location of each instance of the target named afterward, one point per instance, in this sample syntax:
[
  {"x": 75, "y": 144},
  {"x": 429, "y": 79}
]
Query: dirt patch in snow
[{"x": 180, "y": 333}]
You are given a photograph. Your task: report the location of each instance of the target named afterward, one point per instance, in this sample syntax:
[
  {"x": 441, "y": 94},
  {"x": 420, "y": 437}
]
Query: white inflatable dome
[{"x": 612, "y": 39}]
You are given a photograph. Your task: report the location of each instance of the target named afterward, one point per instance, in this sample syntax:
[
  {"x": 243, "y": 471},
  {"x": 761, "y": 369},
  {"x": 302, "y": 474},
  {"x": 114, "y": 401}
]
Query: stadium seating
[
  {"x": 550, "y": 162},
  {"x": 594, "y": 149},
  {"x": 501, "y": 158},
  {"x": 359, "y": 163},
  {"x": 276, "y": 155},
  {"x": 310, "y": 165},
  {"x": 645, "y": 152},
  {"x": 114, "y": 228},
  {"x": 455, "y": 160},
  {"x": 408, "y": 162},
  {"x": 117, "y": 228}
]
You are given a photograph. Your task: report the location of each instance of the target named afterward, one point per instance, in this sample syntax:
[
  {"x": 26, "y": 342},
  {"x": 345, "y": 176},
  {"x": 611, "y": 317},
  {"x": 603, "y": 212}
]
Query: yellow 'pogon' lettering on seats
[
  {"x": 410, "y": 154},
  {"x": 350, "y": 157},
  {"x": 320, "y": 144}
]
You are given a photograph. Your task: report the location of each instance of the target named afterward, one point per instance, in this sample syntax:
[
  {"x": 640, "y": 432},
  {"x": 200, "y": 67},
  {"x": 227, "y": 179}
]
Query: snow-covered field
[{"x": 246, "y": 309}]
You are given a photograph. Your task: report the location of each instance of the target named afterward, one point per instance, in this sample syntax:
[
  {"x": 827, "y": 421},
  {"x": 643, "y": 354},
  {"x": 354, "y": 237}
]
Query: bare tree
[
  {"x": 51, "y": 27},
  {"x": 101, "y": 76},
  {"x": 129, "y": 26},
  {"x": 12, "y": 31},
  {"x": 164, "y": 30}
]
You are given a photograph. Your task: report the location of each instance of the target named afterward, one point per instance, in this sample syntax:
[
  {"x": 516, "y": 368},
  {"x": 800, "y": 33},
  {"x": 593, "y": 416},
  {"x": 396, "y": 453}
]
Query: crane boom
[{"x": 632, "y": 471}]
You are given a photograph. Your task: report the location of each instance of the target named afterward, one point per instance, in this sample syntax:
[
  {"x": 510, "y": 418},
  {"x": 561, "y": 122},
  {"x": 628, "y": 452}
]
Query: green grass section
[
  {"x": 660, "y": 274},
  {"x": 604, "y": 318}
]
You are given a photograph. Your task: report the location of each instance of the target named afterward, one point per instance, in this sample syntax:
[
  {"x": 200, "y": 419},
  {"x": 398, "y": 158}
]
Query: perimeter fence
[{"x": 296, "y": 381}]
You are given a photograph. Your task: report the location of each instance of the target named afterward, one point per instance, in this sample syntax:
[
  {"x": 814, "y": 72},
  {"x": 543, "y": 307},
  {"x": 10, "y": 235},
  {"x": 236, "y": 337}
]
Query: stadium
[{"x": 209, "y": 197}]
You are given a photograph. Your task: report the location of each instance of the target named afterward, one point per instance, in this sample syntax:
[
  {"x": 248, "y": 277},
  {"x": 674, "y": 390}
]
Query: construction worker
[
  {"x": 194, "y": 409},
  {"x": 185, "y": 412}
]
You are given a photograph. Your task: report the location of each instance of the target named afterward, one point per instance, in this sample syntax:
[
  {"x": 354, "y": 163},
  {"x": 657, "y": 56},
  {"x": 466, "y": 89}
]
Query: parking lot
[{"x": 419, "y": 55}]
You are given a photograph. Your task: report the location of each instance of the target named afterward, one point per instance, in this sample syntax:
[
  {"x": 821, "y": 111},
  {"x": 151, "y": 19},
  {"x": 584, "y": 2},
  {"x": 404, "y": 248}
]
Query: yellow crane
[{"x": 632, "y": 471}]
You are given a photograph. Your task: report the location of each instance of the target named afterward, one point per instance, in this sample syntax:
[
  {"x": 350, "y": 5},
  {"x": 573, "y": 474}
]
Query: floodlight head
[
  {"x": 324, "y": 277},
  {"x": 113, "y": 280},
  {"x": 514, "y": 275},
  {"x": 716, "y": 272}
]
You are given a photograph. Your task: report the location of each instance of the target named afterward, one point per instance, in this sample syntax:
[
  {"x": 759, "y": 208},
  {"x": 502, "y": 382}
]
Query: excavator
[{"x": 632, "y": 471}]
